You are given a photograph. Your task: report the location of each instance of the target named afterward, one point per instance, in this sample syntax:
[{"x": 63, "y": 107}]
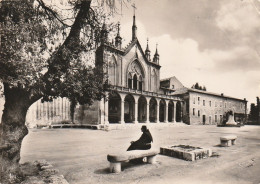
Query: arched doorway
[
  {"x": 129, "y": 108},
  {"x": 153, "y": 110},
  {"x": 162, "y": 110},
  {"x": 114, "y": 108},
  {"x": 170, "y": 111},
  {"x": 204, "y": 119},
  {"x": 178, "y": 112},
  {"x": 142, "y": 109}
]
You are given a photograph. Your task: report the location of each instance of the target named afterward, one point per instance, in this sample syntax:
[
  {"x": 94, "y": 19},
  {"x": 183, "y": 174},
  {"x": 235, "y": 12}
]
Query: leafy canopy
[{"x": 42, "y": 53}]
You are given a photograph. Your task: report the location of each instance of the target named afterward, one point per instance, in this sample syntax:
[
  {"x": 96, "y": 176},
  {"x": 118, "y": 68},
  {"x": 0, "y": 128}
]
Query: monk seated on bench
[{"x": 143, "y": 143}]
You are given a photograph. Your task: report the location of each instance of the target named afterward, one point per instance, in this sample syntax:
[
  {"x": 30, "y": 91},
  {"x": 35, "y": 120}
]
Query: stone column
[
  {"x": 148, "y": 109},
  {"x": 166, "y": 111},
  {"x": 174, "y": 112},
  {"x": 158, "y": 111},
  {"x": 106, "y": 109},
  {"x": 122, "y": 121},
  {"x": 136, "y": 109},
  {"x": 101, "y": 111},
  {"x": 136, "y": 113}
]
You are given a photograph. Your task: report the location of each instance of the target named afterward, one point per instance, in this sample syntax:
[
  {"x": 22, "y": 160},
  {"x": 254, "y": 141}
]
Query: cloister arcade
[{"x": 121, "y": 108}]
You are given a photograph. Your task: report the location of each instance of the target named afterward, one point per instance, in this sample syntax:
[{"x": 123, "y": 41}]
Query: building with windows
[{"x": 202, "y": 107}]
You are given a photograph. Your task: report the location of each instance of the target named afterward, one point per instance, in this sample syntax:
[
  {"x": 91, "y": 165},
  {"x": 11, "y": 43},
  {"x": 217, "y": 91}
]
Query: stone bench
[
  {"x": 117, "y": 158},
  {"x": 228, "y": 140}
]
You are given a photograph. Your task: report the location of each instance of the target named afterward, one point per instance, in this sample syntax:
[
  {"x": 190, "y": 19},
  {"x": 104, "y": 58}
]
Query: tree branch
[{"x": 49, "y": 11}]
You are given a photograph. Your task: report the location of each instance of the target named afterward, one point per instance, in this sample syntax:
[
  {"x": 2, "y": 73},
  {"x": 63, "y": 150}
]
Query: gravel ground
[{"x": 80, "y": 155}]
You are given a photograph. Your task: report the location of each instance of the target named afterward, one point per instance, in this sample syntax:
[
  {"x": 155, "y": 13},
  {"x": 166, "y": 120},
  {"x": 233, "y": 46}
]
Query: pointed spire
[
  {"x": 156, "y": 52},
  {"x": 118, "y": 29},
  {"x": 134, "y": 28},
  {"x": 147, "y": 51},
  {"x": 118, "y": 39},
  {"x": 156, "y": 55}
]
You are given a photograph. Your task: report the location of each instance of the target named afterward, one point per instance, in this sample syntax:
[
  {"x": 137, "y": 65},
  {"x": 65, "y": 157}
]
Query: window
[
  {"x": 140, "y": 83},
  {"x": 220, "y": 103},
  {"x": 203, "y": 102},
  {"x": 241, "y": 105},
  {"x": 135, "y": 82},
  {"x": 210, "y": 103},
  {"x": 198, "y": 113},
  {"x": 194, "y": 100},
  {"x": 198, "y": 100},
  {"x": 216, "y": 118},
  {"x": 220, "y": 118},
  {"x": 209, "y": 119},
  {"x": 172, "y": 86},
  {"x": 193, "y": 112},
  {"x": 129, "y": 81}
]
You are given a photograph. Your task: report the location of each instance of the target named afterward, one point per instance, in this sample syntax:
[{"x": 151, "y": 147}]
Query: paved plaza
[{"x": 81, "y": 155}]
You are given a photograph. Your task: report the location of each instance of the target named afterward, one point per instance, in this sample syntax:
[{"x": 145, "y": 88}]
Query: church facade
[{"x": 134, "y": 95}]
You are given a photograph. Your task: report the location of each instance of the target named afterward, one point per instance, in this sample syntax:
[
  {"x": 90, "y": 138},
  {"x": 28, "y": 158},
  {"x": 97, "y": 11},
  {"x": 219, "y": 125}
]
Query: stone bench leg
[
  {"x": 115, "y": 167},
  {"x": 151, "y": 159},
  {"x": 233, "y": 141},
  {"x": 225, "y": 143}
]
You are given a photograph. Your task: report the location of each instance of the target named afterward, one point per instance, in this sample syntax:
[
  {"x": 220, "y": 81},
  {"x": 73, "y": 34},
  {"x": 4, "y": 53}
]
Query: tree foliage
[
  {"x": 197, "y": 86},
  {"x": 37, "y": 57}
]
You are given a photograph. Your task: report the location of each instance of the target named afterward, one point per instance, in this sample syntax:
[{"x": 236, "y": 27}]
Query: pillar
[
  {"x": 122, "y": 121},
  {"x": 174, "y": 112},
  {"x": 166, "y": 111},
  {"x": 158, "y": 110},
  {"x": 136, "y": 108},
  {"x": 101, "y": 111},
  {"x": 106, "y": 109},
  {"x": 148, "y": 109},
  {"x": 136, "y": 113}
]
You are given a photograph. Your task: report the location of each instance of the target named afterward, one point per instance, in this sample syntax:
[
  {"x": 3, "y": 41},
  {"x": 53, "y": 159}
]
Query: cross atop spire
[{"x": 134, "y": 7}]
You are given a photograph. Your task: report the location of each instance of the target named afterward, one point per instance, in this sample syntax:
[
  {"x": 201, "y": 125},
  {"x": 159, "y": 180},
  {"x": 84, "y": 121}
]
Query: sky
[{"x": 215, "y": 43}]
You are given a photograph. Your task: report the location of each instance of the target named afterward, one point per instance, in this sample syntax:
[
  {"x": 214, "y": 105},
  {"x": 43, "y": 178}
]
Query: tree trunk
[{"x": 12, "y": 132}]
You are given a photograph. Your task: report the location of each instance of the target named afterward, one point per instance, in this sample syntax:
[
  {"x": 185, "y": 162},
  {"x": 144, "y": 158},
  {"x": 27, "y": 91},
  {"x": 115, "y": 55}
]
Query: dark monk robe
[{"x": 144, "y": 142}]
